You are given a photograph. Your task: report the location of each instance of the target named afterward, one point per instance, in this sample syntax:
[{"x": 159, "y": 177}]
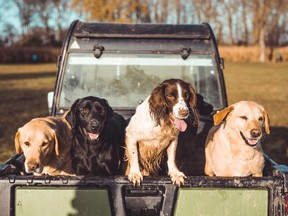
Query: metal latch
[
  {"x": 98, "y": 50},
  {"x": 185, "y": 52}
]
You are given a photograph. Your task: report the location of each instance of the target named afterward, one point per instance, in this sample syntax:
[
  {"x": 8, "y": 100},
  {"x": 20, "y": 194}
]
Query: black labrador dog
[{"x": 98, "y": 144}]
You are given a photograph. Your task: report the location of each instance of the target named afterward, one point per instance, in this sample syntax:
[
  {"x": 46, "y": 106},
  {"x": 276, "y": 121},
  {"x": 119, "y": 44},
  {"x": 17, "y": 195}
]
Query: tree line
[{"x": 234, "y": 22}]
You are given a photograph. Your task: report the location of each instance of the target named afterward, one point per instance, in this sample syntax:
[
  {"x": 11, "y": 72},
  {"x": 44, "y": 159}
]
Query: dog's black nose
[
  {"x": 95, "y": 125},
  {"x": 255, "y": 132}
]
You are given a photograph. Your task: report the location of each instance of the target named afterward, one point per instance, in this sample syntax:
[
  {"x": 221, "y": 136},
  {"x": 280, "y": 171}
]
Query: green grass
[{"x": 24, "y": 88}]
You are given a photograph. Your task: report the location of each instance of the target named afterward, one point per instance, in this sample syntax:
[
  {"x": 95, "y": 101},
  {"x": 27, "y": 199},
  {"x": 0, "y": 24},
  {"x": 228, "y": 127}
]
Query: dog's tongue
[
  {"x": 252, "y": 141},
  {"x": 92, "y": 136},
  {"x": 179, "y": 123}
]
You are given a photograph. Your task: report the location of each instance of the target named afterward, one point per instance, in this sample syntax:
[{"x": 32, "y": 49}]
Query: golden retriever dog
[
  {"x": 46, "y": 144},
  {"x": 154, "y": 128},
  {"x": 233, "y": 145}
]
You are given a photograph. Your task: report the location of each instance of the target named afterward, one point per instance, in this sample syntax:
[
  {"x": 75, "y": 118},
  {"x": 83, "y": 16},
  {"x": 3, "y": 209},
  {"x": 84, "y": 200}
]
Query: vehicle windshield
[{"x": 125, "y": 80}]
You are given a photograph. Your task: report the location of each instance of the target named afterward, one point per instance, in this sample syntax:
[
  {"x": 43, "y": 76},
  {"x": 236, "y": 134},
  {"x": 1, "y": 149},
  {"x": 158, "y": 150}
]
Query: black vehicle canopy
[{"x": 124, "y": 62}]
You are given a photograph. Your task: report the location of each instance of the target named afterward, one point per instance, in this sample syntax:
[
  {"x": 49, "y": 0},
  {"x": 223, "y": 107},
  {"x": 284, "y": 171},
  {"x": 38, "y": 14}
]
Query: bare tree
[
  {"x": 138, "y": 11},
  {"x": 43, "y": 10},
  {"x": 266, "y": 14},
  {"x": 244, "y": 21},
  {"x": 41, "y": 14},
  {"x": 61, "y": 7},
  {"x": 114, "y": 10},
  {"x": 230, "y": 9},
  {"x": 10, "y": 34},
  {"x": 178, "y": 8},
  {"x": 100, "y": 10},
  {"x": 160, "y": 9},
  {"x": 207, "y": 10},
  {"x": 278, "y": 24},
  {"x": 180, "y": 11},
  {"x": 25, "y": 14}
]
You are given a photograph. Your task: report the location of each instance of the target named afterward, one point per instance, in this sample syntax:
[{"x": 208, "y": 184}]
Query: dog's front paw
[
  {"x": 177, "y": 178},
  {"x": 135, "y": 178}
]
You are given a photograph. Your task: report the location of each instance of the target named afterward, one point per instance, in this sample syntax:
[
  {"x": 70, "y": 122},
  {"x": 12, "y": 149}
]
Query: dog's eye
[
  {"x": 100, "y": 110},
  {"x": 244, "y": 117},
  {"x": 186, "y": 95},
  {"x": 170, "y": 97},
  {"x": 27, "y": 143},
  {"x": 260, "y": 119},
  {"x": 44, "y": 144},
  {"x": 84, "y": 110}
]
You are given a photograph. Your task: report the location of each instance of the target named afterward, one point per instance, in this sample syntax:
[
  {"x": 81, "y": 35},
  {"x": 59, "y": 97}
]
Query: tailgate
[{"x": 201, "y": 195}]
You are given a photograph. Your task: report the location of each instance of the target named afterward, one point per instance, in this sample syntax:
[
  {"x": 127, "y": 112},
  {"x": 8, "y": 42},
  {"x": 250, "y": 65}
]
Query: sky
[{"x": 9, "y": 15}]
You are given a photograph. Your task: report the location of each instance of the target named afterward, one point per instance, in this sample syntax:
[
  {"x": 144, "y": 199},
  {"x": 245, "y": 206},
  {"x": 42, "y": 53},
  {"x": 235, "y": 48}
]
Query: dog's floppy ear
[
  {"x": 56, "y": 144},
  {"x": 71, "y": 114},
  {"x": 109, "y": 110},
  {"x": 193, "y": 106},
  {"x": 157, "y": 103},
  {"x": 221, "y": 115},
  {"x": 267, "y": 122},
  {"x": 193, "y": 98},
  {"x": 17, "y": 142}
]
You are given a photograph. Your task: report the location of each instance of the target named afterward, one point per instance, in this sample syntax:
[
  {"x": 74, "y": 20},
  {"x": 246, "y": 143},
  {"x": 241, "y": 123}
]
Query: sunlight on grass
[{"x": 27, "y": 68}]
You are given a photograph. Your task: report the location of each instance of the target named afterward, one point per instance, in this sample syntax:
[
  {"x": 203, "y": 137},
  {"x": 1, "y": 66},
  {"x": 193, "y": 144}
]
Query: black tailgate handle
[
  {"x": 185, "y": 52},
  {"x": 98, "y": 50}
]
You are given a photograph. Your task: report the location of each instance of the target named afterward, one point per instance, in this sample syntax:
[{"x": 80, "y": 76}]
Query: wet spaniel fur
[{"x": 154, "y": 128}]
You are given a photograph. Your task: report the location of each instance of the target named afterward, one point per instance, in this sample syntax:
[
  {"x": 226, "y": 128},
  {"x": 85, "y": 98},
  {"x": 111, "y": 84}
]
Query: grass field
[{"x": 24, "y": 88}]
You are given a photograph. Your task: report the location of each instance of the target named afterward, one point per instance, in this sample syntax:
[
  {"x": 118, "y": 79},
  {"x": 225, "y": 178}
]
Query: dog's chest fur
[
  {"x": 93, "y": 157},
  {"x": 152, "y": 149}
]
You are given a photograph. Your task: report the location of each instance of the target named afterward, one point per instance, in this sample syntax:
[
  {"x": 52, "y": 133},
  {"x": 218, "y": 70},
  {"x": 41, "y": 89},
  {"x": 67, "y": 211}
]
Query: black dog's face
[{"x": 90, "y": 116}]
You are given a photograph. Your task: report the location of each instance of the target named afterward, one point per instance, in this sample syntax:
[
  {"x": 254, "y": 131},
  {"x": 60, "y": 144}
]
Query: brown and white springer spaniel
[{"x": 155, "y": 127}]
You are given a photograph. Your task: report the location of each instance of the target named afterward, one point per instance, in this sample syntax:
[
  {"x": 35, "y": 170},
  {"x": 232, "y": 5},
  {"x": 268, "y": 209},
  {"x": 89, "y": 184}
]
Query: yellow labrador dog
[
  {"x": 46, "y": 144},
  {"x": 233, "y": 145}
]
